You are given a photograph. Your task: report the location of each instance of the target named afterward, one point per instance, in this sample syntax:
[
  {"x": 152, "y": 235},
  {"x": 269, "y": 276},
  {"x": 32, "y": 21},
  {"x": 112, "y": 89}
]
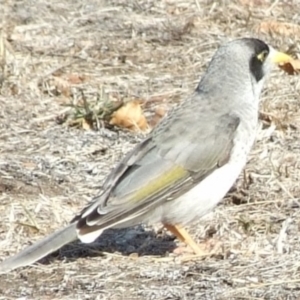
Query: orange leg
[{"x": 183, "y": 236}]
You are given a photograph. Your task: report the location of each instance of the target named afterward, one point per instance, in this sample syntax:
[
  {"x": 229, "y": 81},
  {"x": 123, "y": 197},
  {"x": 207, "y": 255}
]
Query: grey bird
[{"x": 187, "y": 163}]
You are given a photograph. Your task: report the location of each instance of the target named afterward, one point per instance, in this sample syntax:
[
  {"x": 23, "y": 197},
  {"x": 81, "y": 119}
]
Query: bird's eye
[{"x": 262, "y": 56}]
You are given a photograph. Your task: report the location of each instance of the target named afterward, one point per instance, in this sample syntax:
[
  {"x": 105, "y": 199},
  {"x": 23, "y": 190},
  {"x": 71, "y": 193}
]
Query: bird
[{"x": 188, "y": 161}]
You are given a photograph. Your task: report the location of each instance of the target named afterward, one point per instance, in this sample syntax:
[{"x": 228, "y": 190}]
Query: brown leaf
[
  {"x": 292, "y": 67},
  {"x": 252, "y": 2},
  {"x": 130, "y": 116},
  {"x": 159, "y": 112},
  {"x": 75, "y": 78},
  {"x": 61, "y": 85},
  {"x": 86, "y": 125},
  {"x": 279, "y": 28}
]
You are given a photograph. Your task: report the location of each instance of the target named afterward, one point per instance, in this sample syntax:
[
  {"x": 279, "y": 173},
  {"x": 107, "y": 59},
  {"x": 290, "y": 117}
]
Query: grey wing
[
  {"x": 197, "y": 154},
  {"x": 178, "y": 154},
  {"x": 167, "y": 164},
  {"x": 202, "y": 146}
]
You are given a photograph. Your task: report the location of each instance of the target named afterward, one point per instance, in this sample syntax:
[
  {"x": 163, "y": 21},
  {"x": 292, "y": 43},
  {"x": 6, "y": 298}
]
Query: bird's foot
[{"x": 199, "y": 251}]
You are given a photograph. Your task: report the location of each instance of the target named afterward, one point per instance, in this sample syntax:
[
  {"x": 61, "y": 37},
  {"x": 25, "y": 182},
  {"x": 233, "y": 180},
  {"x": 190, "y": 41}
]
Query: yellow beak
[{"x": 280, "y": 58}]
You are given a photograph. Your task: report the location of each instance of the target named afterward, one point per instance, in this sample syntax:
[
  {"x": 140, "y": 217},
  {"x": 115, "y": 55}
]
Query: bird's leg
[{"x": 183, "y": 236}]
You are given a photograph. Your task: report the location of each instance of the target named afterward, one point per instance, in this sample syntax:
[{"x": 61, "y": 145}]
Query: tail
[{"x": 40, "y": 249}]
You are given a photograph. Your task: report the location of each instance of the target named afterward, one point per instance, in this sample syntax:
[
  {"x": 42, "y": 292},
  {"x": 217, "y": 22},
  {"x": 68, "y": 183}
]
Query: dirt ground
[{"x": 53, "y": 52}]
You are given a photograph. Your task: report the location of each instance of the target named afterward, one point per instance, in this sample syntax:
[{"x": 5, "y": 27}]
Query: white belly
[
  {"x": 209, "y": 192},
  {"x": 202, "y": 198}
]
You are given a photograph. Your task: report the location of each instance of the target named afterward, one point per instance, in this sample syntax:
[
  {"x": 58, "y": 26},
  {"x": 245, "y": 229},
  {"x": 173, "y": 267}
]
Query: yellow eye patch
[{"x": 262, "y": 55}]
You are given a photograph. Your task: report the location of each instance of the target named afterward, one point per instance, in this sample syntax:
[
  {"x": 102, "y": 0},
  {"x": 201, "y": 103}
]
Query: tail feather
[{"x": 40, "y": 249}]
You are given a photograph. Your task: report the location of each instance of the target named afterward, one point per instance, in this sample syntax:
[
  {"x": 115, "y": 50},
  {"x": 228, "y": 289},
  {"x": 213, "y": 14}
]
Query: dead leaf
[
  {"x": 29, "y": 165},
  {"x": 75, "y": 78},
  {"x": 292, "y": 67},
  {"x": 86, "y": 125},
  {"x": 252, "y": 2},
  {"x": 62, "y": 85},
  {"x": 130, "y": 116},
  {"x": 159, "y": 113},
  {"x": 279, "y": 28}
]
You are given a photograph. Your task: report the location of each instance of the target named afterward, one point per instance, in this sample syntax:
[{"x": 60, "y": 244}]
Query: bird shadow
[{"x": 134, "y": 240}]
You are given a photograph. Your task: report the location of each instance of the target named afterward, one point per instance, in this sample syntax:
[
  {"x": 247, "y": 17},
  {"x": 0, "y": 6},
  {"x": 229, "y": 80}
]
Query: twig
[{"x": 282, "y": 235}]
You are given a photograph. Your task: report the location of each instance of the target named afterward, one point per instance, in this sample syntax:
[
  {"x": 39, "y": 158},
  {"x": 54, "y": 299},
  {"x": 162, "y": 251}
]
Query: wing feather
[{"x": 161, "y": 168}]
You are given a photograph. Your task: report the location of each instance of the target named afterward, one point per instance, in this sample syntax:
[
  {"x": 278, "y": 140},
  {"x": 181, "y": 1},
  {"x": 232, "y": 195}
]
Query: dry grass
[{"x": 156, "y": 51}]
